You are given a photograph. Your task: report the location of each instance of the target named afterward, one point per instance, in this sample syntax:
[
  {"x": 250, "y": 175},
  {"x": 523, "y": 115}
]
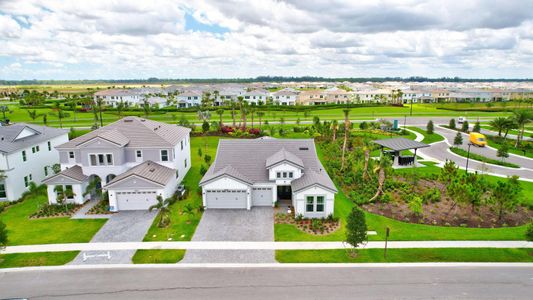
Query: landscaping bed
[
  {"x": 322, "y": 226},
  {"x": 56, "y": 210},
  {"x": 482, "y": 158},
  {"x": 101, "y": 208}
]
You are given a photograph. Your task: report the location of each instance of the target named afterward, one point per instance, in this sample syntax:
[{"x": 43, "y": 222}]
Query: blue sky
[{"x": 101, "y": 39}]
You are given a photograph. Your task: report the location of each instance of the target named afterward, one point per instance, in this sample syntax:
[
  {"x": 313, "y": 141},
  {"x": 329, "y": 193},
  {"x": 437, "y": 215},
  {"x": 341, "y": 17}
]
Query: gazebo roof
[{"x": 399, "y": 144}]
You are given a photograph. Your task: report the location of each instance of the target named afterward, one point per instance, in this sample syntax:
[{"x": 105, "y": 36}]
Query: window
[
  {"x": 177, "y": 174},
  {"x": 320, "y": 203},
  {"x": 309, "y": 204},
  {"x": 101, "y": 159},
  {"x": 45, "y": 171},
  {"x": 23, "y": 155},
  {"x": 284, "y": 174},
  {"x": 181, "y": 145},
  {"x": 185, "y": 163},
  {"x": 2, "y": 190},
  {"x": 49, "y": 146},
  {"x": 92, "y": 159},
  {"x": 290, "y": 175},
  {"x": 164, "y": 155},
  {"x": 139, "y": 154},
  {"x": 32, "y": 149},
  {"x": 37, "y": 149},
  {"x": 26, "y": 181},
  {"x": 278, "y": 175},
  {"x": 109, "y": 159},
  {"x": 31, "y": 178},
  {"x": 71, "y": 154},
  {"x": 69, "y": 192}
]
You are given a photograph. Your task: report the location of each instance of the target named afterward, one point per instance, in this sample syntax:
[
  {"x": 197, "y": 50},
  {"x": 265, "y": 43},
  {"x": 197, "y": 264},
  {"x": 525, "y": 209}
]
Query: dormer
[
  {"x": 26, "y": 132},
  {"x": 283, "y": 167}
]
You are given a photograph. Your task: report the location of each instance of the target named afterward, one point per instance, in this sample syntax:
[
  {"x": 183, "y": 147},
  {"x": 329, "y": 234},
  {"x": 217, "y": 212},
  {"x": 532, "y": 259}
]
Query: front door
[{"x": 284, "y": 192}]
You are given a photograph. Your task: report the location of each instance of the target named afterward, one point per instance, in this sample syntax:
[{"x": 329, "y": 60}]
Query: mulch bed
[
  {"x": 326, "y": 226},
  {"x": 444, "y": 213},
  {"x": 101, "y": 208},
  {"x": 56, "y": 214}
]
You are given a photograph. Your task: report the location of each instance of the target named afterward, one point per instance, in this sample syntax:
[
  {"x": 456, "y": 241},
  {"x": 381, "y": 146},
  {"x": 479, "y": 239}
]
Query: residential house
[
  {"x": 28, "y": 155},
  {"x": 189, "y": 98},
  {"x": 258, "y": 96},
  {"x": 111, "y": 97},
  {"x": 133, "y": 159},
  {"x": 285, "y": 96},
  {"x": 279, "y": 170},
  {"x": 312, "y": 97}
]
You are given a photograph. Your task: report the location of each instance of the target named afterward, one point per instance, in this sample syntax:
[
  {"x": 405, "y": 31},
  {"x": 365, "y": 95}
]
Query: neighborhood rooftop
[
  {"x": 399, "y": 144},
  {"x": 134, "y": 132},
  {"x": 148, "y": 170},
  {"x": 247, "y": 160},
  {"x": 13, "y": 137}
]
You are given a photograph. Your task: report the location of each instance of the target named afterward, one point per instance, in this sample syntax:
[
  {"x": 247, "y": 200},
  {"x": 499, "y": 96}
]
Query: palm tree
[
  {"x": 334, "y": 128},
  {"x": 252, "y": 111},
  {"x": 33, "y": 114},
  {"x": 4, "y": 109},
  {"x": 260, "y": 115},
  {"x": 164, "y": 211},
  {"x": 382, "y": 169},
  {"x": 346, "y": 112},
  {"x": 94, "y": 187},
  {"x": 233, "y": 113},
  {"x": 120, "y": 108},
  {"x": 100, "y": 103},
  {"x": 498, "y": 124},
  {"x": 521, "y": 117},
  {"x": 146, "y": 109},
  {"x": 220, "y": 112},
  {"x": 59, "y": 114},
  {"x": 240, "y": 100},
  {"x": 189, "y": 211},
  {"x": 509, "y": 125}
]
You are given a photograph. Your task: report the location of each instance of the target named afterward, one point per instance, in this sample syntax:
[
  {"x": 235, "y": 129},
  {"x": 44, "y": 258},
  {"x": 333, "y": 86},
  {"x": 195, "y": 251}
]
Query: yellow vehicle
[{"x": 478, "y": 139}]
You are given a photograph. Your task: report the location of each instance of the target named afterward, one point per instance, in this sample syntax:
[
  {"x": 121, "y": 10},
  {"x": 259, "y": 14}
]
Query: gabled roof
[
  {"x": 10, "y": 143},
  {"x": 399, "y": 144},
  {"x": 134, "y": 132},
  {"x": 311, "y": 178},
  {"x": 74, "y": 172},
  {"x": 226, "y": 171},
  {"x": 148, "y": 170},
  {"x": 283, "y": 155}
]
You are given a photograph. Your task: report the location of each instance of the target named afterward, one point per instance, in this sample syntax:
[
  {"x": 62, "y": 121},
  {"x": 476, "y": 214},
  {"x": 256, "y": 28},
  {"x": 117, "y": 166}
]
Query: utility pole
[{"x": 468, "y": 157}]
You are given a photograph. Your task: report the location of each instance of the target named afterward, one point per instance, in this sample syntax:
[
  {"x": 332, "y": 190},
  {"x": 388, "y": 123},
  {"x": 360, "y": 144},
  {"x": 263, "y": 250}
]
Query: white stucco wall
[
  {"x": 77, "y": 189},
  {"x": 284, "y": 167},
  {"x": 299, "y": 197}
]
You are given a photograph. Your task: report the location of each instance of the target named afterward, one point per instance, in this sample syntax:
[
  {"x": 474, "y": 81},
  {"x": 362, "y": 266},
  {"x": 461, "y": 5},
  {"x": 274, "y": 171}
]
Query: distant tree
[
  {"x": 205, "y": 127},
  {"x": 3, "y": 235},
  {"x": 477, "y": 127},
  {"x": 33, "y": 114},
  {"x": 451, "y": 125},
  {"x": 521, "y": 118},
  {"x": 430, "y": 127},
  {"x": 59, "y": 113},
  {"x": 120, "y": 108},
  {"x": 499, "y": 124},
  {"x": 506, "y": 195},
  {"x": 220, "y": 113},
  {"x": 346, "y": 113},
  {"x": 356, "y": 229},
  {"x": 45, "y": 119},
  {"x": 465, "y": 126},
  {"x": 207, "y": 159},
  {"x": 458, "y": 140},
  {"x": 145, "y": 107},
  {"x": 503, "y": 151},
  {"x": 4, "y": 109},
  {"x": 200, "y": 152},
  {"x": 233, "y": 113},
  {"x": 260, "y": 115}
]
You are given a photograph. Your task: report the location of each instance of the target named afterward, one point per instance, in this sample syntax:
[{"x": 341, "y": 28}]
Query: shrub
[
  {"x": 529, "y": 232},
  {"x": 316, "y": 225},
  {"x": 386, "y": 197},
  {"x": 227, "y": 129},
  {"x": 431, "y": 195},
  {"x": 254, "y": 131},
  {"x": 430, "y": 127},
  {"x": 203, "y": 170},
  {"x": 207, "y": 159},
  {"x": 363, "y": 125},
  {"x": 299, "y": 217},
  {"x": 3, "y": 235},
  {"x": 465, "y": 126},
  {"x": 415, "y": 205},
  {"x": 451, "y": 125}
]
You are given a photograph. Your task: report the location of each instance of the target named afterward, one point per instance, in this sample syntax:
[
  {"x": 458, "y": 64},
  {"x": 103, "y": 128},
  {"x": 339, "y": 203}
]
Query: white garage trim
[
  {"x": 262, "y": 196},
  {"x": 135, "y": 200},
  {"x": 226, "y": 198}
]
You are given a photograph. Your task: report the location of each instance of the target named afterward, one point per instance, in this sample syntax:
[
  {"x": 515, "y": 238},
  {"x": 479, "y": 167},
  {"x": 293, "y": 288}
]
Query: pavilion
[{"x": 394, "y": 147}]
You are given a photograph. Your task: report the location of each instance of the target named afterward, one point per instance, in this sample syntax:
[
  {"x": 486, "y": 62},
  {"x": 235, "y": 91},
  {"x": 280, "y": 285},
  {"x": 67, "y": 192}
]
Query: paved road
[
  {"x": 125, "y": 226},
  {"x": 389, "y": 282},
  {"x": 226, "y": 225}
]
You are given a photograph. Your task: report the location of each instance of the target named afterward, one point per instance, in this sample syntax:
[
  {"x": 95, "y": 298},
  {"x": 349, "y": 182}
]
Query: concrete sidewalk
[{"x": 259, "y": 245}]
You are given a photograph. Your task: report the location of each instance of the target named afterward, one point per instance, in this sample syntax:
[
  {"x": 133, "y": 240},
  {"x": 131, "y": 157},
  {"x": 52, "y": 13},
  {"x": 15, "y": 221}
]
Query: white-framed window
[
  {"x": 309, "y": 204},
  {"x": 3, "y": 190},
  {"x": 71, "y": 154},
  {"x": 49, "y": 146},
  {"x": 24, "y": 158},
  {"x": 45, "y": 171},
  {"x": 101, "y": 159},
  {"x": 185, "y": 163},
  {"x": 315, "y": 204},
  {"x": 69, "y": 191},
  {"x": 164, "y": 155},
  {"x": 181, "y": 145},
  {"x": 278, "y": 174},
  {"x": 284, "y": 174},
  {"x": 139, "y": 154},
  {"x": 291, "y": 174},
  {"x": 26, "y": 181}
]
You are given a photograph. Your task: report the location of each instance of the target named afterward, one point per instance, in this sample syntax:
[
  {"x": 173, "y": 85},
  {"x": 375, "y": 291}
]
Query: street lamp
[{"x": 468, "y": 157}]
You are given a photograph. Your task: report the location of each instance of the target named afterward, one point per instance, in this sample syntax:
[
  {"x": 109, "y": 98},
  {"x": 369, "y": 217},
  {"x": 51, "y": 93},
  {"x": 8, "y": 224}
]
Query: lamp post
[{"x": 468, "y": 157}]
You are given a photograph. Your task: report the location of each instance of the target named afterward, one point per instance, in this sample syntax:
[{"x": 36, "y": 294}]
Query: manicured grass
[
  {"x": 511, "y": 149},
  {"x": 428, "y": 138},
  {"x": 180, "y": 229},
  {"x": 407, "y": 255},
  {"x": 482, "y": 158},
  {"x": 166, "y": 256},
  {"x": 25, "y": 231},
  {"x": 17, "y": 260}
]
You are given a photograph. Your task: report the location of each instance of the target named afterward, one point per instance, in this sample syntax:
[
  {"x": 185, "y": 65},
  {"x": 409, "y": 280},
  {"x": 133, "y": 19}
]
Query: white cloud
[{"x": 140, "y": 39}]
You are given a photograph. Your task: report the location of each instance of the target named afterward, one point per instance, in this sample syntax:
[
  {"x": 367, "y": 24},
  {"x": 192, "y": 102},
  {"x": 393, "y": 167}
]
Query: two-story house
[
  {"x": 248, "y": 173},
  {"x": 27, "y": 155},
  {"x": 134, "y": 159},
  {"x": 286, "y": 96}
]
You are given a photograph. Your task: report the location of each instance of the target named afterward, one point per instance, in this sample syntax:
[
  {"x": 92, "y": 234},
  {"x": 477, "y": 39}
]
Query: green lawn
[
  {"x": 407, "y": 255},
  {"x": 511, "y": 149},
  {"x": 18, "y": 260},
  {"x": 428, "y": 138},
  {"x": 25, "y": 231},
  {"x": 165, "y": 256},
  {"x": 481, "y": 158}
]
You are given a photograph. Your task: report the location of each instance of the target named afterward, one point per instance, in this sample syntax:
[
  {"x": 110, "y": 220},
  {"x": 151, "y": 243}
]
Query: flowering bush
[
  {"x": 254, "y": 131},
  {"x": 227, "y": 129}
]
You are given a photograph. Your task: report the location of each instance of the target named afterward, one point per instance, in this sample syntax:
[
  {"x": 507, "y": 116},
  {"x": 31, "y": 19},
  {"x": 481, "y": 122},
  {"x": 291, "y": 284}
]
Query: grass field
[
  {"x": 428, "y": 138},
  {"x": 25, "y": 231},
  {"x": 19, "y": 260},
  {"x": 474, "y": 156},
  {"x": 164, "y": 256},
  {"x": 407, "y": 255}
]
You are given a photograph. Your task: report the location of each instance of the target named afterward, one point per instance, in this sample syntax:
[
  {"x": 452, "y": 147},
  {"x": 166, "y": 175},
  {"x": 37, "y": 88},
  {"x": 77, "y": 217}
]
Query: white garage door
[
  {"x": 138, "y": 200},
  {"x": 261, "y": 196},
  {"x": 226, "y": 199}
]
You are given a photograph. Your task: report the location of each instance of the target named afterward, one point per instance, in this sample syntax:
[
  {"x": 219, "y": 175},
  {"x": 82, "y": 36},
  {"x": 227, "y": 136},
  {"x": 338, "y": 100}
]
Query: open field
[{"x": 18, "y": 260}]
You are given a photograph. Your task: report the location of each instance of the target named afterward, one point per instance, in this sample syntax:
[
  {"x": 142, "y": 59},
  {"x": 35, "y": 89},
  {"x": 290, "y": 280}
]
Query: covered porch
[
  {"x": 68, "y": 186},
  {"x": 396, "y": 148}
]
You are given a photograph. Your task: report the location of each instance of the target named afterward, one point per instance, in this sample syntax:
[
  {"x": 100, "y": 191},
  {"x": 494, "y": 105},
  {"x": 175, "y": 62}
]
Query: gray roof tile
[
  {"x": 399, "y": 144},
  {"x": 283, "y": 155},
  {"x": 148, "y": 170},
  {"x": 74, "y": 172},
  {"x": 8, "y": 134}
]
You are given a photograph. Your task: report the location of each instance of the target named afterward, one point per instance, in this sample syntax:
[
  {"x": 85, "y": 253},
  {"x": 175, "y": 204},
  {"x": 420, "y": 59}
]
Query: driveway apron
[
  {"x": 222, "y": 225},
  {"x": 124, "y": 226}
]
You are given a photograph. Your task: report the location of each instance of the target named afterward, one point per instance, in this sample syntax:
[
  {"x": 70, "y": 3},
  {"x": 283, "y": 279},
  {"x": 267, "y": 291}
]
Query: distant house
[
  {"x": 133, "y": 159},
  {"x": 27, "y": 155},
  {"x": 278, "y": 170},
  {"x": 286, "y": 96},
  {"x": 111, "y": 97},
  {"x": 189, "y": 99},
  {"x": 256, "y": 96}
]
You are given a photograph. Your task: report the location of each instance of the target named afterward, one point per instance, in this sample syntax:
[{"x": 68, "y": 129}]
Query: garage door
[
  {"x": 262, "y": 196},
  {"x": 138, "y": 200},
  {"x": 226, "y": 199}
]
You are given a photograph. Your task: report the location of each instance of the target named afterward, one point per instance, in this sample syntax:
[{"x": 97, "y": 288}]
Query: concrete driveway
[
  {"x": 124, "y": 226},
  {"x": 222, "y": 225}
]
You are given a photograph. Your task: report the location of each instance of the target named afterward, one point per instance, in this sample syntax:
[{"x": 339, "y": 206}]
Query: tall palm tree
[
  {"x": 382, "y": 169},
  {"x": 498, "y": 124},
  {"x": 260, "y": 115},
  {"x": 99, "y": 104},
  {"x": 346, "y": 112},
  {"x": 240, "y": 101},
  {"x": 521, "y": 117},
  {"x": 334, "y": 128},
  {"x": 164, "y": 210},
  {"x": 509, "y": 125},
  {"x": 252, "y": 112},
  {"x": 233, "y": 113},
  {"x": 220, "y": 112},
  {"x": 120, "y": 108}
]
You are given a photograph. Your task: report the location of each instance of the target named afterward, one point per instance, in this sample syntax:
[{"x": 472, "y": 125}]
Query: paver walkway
[
  {"x": 226, "y": 225},
  {"x": 221, "y": 245},
  {"x": 124, "y": 226},
  {"x": 82, "y": 212}
]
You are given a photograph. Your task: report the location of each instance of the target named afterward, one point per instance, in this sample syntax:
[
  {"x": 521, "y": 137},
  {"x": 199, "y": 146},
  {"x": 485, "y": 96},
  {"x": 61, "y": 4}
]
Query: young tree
[
  {"x": 346, "y": 112},
  {"x": 529, "y": 232},
  {"x": 506, "y": 195},
  {"x": 260, "y": 115},
  {"x": 356, "y": 229},
  {"x": 503, "y": 151},
  {"x": 458, "y": 140},
  {"x": 189, "y": 211},
  {"x": 205, "y": 127},
  {"x": 465, "y": 126},
  {"x": 477, "y": 127},
  {"x": 334, "y": 128},
  {"x": 59, "y": 114},
  {"x": 33, "y": 114},
  {"x": 498, "y": 124},
  {"x": 452, "y": 124},
  {"x": 449, "y": 171},
  {"x": 430, "y": 127},
  {"x": 3, "y": 235},
  {"x": 164, "y": 211},
  {"x": 220, "y": 113},
  {"x": 383, "y": 168}
]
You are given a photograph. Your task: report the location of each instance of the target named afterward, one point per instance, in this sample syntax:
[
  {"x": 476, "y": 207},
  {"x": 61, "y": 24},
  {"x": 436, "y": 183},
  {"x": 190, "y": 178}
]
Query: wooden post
[{"x": 387, "y": 232}]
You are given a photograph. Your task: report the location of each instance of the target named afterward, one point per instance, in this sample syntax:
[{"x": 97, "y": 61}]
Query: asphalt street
[{"x": 388, "y": 282}]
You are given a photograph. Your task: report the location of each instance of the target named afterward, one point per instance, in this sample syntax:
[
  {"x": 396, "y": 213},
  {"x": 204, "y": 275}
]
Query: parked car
[
  {"x": 461, "y": 120},
  {"x": 478, "y": 139}
]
